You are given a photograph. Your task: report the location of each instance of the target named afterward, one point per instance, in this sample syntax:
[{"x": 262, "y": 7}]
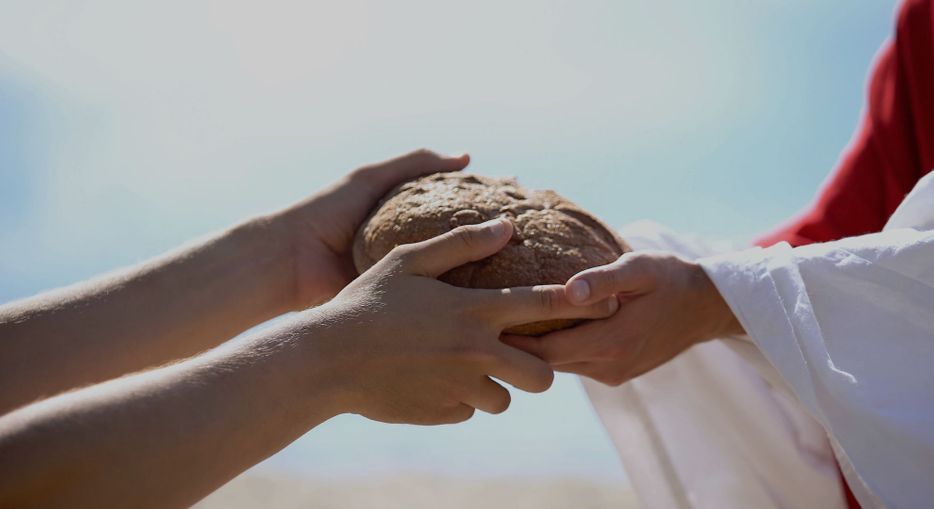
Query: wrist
[
  {"x": 263, "y": 246},
  {"x": 717, "y": 319},
  {"x": 304, "y": 361},
  {"x": 330, "y": 355}
]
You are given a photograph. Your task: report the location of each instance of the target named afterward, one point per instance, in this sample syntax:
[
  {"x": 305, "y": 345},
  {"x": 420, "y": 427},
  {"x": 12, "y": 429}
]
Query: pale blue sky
[{"x": 127, "y": 128}]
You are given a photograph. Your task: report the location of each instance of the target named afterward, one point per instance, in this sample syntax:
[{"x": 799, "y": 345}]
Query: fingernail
[
  {"x": 612, "y": 304},
  {"x": 496, "y": 226},
  {"x": 578, "y": 290}
]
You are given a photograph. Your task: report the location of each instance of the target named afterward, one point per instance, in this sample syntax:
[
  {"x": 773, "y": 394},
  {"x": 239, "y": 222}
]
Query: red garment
[
  {"x": 893, "y": 147},
  {"x": 891, "y": 151}
]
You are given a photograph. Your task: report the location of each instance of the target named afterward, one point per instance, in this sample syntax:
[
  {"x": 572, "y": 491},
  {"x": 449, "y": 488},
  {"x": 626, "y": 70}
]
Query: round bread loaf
[{"x": 552, "y": 240}]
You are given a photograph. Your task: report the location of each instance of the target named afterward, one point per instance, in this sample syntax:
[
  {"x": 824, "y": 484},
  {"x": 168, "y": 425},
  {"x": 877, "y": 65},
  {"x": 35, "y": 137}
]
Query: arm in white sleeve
[{"x": 850, "y": 327}]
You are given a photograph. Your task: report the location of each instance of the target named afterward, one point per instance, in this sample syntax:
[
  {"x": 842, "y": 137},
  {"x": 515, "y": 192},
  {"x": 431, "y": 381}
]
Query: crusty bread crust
[{"x": 553, "y": 239}]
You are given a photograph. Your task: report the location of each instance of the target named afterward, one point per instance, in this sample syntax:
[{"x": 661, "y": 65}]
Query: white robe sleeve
[
  {"x": 846, "y": 326},
  {"x": 849, "y": 325},
  {"x": 715, "y": 428}
]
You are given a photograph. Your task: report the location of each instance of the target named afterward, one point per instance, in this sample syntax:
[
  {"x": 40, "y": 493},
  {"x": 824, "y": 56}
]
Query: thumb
[
  {"x": 465, "y": 244},
  {"x": 628, "y": 274}
]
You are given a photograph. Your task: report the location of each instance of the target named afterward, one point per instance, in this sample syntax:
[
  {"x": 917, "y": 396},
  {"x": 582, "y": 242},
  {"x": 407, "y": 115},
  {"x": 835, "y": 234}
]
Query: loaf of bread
[{"x": 553, "y": 239}]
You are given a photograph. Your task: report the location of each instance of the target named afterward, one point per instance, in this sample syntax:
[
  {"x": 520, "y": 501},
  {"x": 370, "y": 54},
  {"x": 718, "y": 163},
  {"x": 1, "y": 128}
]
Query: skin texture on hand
[
  {"x": 667, "y": 305},
  {"x": 395, "y": 346}
]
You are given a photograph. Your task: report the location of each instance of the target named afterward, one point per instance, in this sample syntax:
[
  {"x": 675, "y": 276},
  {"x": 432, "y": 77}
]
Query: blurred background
[{"x": 127, "y": 128}]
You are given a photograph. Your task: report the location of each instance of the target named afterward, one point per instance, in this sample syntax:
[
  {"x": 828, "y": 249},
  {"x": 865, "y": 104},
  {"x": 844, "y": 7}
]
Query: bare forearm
[
  {"x": 167, "y": 309},
  {"x": 190, "y": 300},
  {"x": 168, "y": 437},
  {"x": 395, "y": 345}
]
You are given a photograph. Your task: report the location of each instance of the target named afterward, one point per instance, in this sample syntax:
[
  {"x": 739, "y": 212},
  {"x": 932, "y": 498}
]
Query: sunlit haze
[{"x": 127, "y": 128}]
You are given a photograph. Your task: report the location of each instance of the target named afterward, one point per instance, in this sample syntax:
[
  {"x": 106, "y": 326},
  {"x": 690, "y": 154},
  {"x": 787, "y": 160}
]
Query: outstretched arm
[
  {"x": 396, "y": 345},
  {"x": 193, "y": 299}
]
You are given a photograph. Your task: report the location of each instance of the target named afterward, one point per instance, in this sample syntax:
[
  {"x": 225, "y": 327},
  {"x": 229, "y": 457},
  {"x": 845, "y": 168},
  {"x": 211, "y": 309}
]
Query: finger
[
  {"x": 583, "y": 343},
  {"x": 489, "y": 397},
  {"x": 457, "y": 414},
  {"x": 521, "y": 370},
  {"x": 528, "y": 344},
  {"x": 387, "y": 174},
  {"x": 461, "y": 245},
  {"x": 628, "y": 274},
  {"x": 518, "y": 306}
]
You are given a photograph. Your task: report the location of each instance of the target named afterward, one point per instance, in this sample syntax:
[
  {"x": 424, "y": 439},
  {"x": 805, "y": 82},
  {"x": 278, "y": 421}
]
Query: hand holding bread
[{"x": 414, "y": 349}]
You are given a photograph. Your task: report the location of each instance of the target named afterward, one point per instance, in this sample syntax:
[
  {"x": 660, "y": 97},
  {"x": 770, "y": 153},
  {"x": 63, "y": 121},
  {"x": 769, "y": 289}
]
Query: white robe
[{"x": 840, "y": 343}]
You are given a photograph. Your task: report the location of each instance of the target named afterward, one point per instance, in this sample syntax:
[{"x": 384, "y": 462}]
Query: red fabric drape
[{"x": 892, "y": 148}]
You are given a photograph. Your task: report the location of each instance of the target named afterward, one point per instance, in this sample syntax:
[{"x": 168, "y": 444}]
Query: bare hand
[
  {"x": 320, "y": 230},
  {"x": 667, "y": 305},
  {"x": 420, "y": 351}
]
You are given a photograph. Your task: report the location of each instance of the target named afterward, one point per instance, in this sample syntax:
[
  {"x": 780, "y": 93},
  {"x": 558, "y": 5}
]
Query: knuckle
[
  {"x": 359, "y": 174},
  {"x": 402, "y": 253},
  {"x": 364, "y": 172},
  {"x": 616, "y": 272},
  {"x": 650, "y": 264},
  {"x": 422, "y": 155},
  {"x": 369, "y": 178},
  {"x": 547, "y": 299},
  {"x": 464, "y": 236},
  {"x": 615, "y": 276},
  {"x": 401, "y": 250},
  {"x": 640, "y": 259}
]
